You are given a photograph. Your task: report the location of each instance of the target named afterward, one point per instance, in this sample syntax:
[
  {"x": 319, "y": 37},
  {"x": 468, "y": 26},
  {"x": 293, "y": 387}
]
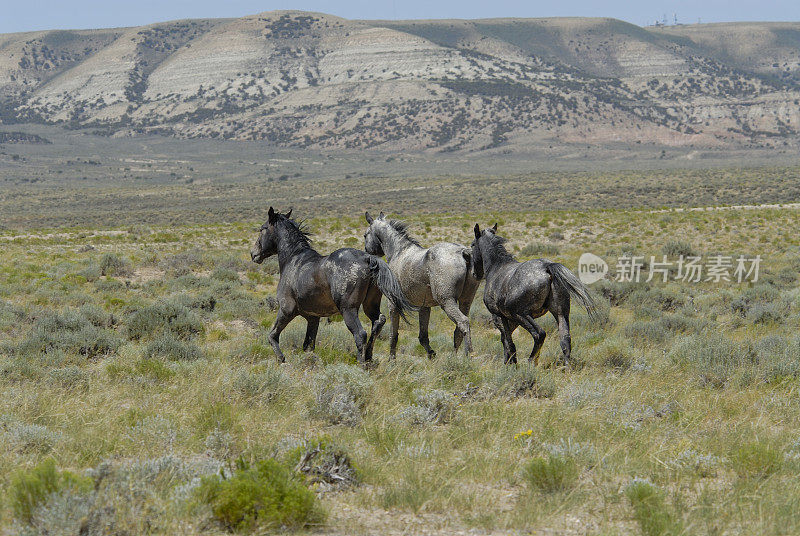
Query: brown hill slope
[{"x": 309, "y": 79}]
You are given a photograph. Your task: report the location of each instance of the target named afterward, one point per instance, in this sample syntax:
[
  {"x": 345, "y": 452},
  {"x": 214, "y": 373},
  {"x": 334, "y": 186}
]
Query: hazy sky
[{"x": 24, "y": 15}]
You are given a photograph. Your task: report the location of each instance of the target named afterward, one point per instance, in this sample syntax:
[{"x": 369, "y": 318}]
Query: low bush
[
  {"x": 114, "y": 265},
  {"x": 539, "y": 250},
  {"x": 340, "y": 393},
  {"x": 520, "y": 381},
  {"x": 430, "y": 407},
  {"x": 161, "y": 318},
  {"x": 266, "y": 495},
  {"x": 165, "y": 346},
  {"x": 31, "y": 487},
  {"x": 715, "y": 357},
  {"x": 68, "y": 331},
  {"x": 614, "y": 353}
]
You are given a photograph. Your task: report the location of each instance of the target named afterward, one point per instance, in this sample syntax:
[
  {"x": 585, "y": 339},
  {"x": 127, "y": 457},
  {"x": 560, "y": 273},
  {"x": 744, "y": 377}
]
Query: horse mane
[
  {"x": 402, "y": 229},
  {"x": 497, "y": 251},
  {"x": 298, "y": 233}
]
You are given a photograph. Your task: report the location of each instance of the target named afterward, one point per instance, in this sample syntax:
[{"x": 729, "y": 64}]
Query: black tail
[
  {"x": 388, "y": 284},
  {"x": 568, "y": 281}
]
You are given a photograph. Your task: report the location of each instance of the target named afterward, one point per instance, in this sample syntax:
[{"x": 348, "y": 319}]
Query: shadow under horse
[
  {"x": 315, "y": 286},
  {"x": 516, "y": 293}
]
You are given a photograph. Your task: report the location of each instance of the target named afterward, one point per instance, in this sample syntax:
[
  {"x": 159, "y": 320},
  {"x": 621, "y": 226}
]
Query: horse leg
[
  {"x": 464, "y": 304},
  {"x": 310, "y": 341},
  {"x": 424, "y": 320},
  {"x": 538, "y": 334},
  {"x": 372, "y": 308},
  {"x": 566, "y": 339},
  {"x": 394, "y": 318},
  {"x": 280, "y": 324},
  {"x": 560, "y": 310},
  {"x": 506, "y": 328},
  {"x": 461, "y": 321},
  {"x": 359, "y": 335}
]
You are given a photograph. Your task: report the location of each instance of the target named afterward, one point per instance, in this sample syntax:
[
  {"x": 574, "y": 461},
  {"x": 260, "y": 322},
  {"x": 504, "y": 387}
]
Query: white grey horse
[{"x": 440, "y": 275}]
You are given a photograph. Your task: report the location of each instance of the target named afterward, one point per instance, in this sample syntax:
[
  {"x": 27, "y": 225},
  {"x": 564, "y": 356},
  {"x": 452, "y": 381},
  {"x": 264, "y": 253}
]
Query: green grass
[{"x": 147, "y": 383}]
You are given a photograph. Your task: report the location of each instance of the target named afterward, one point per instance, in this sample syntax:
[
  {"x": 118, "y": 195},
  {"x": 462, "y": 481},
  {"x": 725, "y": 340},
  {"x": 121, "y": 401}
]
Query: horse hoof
[{"x": 431, "y": 355}]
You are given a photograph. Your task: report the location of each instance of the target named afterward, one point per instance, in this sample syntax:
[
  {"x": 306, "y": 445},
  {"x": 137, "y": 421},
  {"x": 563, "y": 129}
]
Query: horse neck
[
  {"x": 290, "y": 246},
  {"x": 493, "y": 260},
  {"x": 393, "y": 243}
]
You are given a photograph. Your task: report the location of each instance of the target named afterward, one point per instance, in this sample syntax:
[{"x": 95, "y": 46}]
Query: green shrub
[
  {"x": 153, "y": 369},
  {"x": 164, "y": 317},
  {"x": 650, "y": 510},
  {"x": 113, "y": 265},
  {"x": 757, "y": 459},
  {"x": 267, "y": 495},
  {"x": 225, "y": 274},
  {"x": 551, "y": 473},
  {"x": 30, "y": 488},
  {"x": 166, "y": 346}
]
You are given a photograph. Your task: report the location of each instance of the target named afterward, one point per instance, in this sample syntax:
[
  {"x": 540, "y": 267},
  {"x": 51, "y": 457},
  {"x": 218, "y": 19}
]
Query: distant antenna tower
[
  {"x": 664, "y": 19},
  {"x": 675, "y": 19}
]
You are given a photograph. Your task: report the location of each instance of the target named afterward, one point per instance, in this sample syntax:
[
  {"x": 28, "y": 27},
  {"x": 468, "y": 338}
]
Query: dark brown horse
[
  {"x": 315, "y": 286},
  {"x": 517, "y": 293}
]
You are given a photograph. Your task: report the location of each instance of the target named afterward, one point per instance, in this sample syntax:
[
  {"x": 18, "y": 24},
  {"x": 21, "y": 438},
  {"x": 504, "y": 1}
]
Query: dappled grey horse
[
  {"x": 314, "y": 286},
  {"x": 439, "y": 275},
  {"x": 516, "y": 293}
]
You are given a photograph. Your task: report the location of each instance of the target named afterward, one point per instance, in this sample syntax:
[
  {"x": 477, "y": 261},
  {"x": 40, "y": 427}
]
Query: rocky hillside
[{"x": 314, "y": 80}]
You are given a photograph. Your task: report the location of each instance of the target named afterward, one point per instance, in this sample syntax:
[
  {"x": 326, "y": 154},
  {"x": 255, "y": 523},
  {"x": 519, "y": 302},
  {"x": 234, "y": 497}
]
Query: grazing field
[{"x": 135, "y": 370}]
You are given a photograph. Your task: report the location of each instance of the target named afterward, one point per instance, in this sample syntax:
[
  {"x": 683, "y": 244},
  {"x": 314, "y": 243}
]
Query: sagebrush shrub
[
  {"x": 715, "y": 357},
  {"x": 519, "y": 381},
  {"x": 164, "y": 317},
  {"x": 114, "y": 265},
  {"x": 266, "y": 495},
  {"x": 68, "y": 331},
  {"x": 166, "y": 346},
  {"x": 30, "y": 488},
  {"x": 430, "y": 406},
  {"x": 539, "y": 249},
  {"x": 340, "y": 393}
]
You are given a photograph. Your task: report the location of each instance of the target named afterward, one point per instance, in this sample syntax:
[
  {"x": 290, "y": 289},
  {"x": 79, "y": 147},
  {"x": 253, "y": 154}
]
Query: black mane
[
  {"x": 497, "y": 251},
  {"x": 299, "y": 234},
  {"x": 402, "y": 228}
]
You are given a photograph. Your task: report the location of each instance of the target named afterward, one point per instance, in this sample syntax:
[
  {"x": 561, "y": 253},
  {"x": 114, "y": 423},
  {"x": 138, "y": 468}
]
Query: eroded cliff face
[{"x": 309, "y": 79}]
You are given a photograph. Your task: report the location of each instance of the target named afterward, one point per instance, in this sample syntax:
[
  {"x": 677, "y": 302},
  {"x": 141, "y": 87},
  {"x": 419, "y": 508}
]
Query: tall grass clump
[
  {"x": 266, "y": 495},
  {"x": 757, "y": 459},
  {"x": 551, "y": 473},
  {"x": 650, "y": 509},
  {"x": 165, "y": 346},
  {"x": 524, "y": 380}
]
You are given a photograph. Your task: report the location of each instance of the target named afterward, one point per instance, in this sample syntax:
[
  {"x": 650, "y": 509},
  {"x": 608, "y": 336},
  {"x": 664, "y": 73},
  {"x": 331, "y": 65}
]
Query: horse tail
[
  {"x": 569, "y": 282},
  {"x": 388, "y": 284},
  {"x": 467, "y": 254}
]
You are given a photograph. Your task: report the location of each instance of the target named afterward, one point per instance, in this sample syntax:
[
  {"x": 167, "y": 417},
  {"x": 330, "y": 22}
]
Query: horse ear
[
  {"x": 271, "y": 215},
  {"x": 477, "y": 231},
  {"x": 289, "y": 214},
  {"x": 494, "y": 229},
  {"x": 369, "y": 218},
  {"x": 382, "y": 215}
]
